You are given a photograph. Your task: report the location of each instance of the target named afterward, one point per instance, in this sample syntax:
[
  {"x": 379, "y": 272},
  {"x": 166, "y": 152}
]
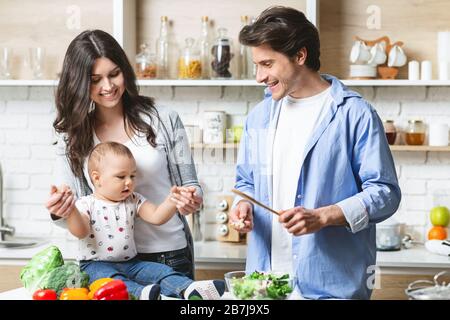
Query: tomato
[{"x": 45, "y": 294}]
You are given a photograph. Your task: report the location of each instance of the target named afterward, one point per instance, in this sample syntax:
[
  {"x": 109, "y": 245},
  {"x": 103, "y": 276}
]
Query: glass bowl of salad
[{"x": 259, "y": 285}]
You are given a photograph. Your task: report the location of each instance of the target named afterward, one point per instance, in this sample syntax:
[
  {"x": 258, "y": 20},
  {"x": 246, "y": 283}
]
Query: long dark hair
[
  {"x": 285, "y": 30},
  {"x": 73, "y": 95}
]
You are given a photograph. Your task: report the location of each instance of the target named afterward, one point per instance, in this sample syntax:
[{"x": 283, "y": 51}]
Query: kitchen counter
[{"x": 220, "y": 255}]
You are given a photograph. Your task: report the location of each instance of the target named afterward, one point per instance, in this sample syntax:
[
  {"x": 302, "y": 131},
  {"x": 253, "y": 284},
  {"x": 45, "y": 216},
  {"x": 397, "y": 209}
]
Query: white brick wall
[{"x": 26, "y": 153}]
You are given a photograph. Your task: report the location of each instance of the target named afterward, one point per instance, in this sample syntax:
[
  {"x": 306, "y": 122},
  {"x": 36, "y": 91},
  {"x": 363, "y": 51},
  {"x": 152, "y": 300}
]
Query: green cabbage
[
  {"x": 66, "y": 276},
  {"x": 39, "y": 265}
]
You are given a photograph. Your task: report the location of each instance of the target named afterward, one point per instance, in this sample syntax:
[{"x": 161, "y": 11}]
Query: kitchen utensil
[
  {"x": 378, "y": 55},
  {"x": 360, "y": 53},
  {"x": 429, "y": 290},
  {"x": 214, "y": 126},
  {"x": 5, "y": 63},
  {"x": 388, "y": 235},
  {"x": 438, "y": 134},
  {"x": 396, "y": 57},
  {"x": 247, "y": 197},
  {"x": 36, "y": 60}
]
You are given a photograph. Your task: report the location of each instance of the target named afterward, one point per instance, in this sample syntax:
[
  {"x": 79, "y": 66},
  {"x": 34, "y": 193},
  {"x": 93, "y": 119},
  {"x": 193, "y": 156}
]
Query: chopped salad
[{"x": 260, "y": 285}]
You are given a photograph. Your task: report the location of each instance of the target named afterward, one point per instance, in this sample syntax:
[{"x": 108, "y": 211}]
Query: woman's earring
[{"x": 91, "y": 106}]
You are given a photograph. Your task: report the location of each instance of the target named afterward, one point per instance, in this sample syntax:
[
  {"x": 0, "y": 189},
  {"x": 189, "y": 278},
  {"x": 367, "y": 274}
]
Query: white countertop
[{"x": 222, "y": 254}]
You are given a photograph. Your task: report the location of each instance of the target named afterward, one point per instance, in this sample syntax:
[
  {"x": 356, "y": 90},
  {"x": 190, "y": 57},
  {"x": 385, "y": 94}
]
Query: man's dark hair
[{"x": 285, "y": 30}]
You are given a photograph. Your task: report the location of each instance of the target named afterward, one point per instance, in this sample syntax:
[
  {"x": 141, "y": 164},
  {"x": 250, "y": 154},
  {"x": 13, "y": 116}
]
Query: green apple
[{"x": 440, "y": 216}]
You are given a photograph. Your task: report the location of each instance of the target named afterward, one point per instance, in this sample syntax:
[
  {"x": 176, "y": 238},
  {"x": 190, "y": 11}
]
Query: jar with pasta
[
  {"x": 189, "y": 63},
  {"x": 145, "y": 66}
]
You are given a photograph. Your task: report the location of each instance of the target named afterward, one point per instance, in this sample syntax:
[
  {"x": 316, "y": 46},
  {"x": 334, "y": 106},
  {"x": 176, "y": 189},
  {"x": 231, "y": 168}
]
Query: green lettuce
[{"x": 40, "y": 264}]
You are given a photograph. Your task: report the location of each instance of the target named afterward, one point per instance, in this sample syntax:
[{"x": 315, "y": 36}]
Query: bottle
[
  {"x": 145, "y": 63},
  {"x": 243, "y": 54},
  {"x": 162, "y": 50},
  {"x": 415, "y": 133},
  {"x": 205, "y": 45},
  {"x": 221, "y": 55},
  {"x": 189, "y": 64},
  {"x": 390, "y": 130}
]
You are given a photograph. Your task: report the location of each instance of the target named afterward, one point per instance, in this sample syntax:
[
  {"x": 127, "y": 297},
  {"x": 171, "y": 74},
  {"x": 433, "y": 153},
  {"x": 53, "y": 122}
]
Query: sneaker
[
  {"x": 151, "y": 292},
  {"x": 205, "y": 290}
]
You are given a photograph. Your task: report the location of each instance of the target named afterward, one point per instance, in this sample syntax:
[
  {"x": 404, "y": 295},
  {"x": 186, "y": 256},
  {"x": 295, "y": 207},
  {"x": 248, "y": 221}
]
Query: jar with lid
[
  {"x": 221, "y": 56},
  {"x": 415, "y": 133},
  {"x": 145, "y": 63},
  {"x": 189, "y": 63},
  {"x": 390, "y": 130}
]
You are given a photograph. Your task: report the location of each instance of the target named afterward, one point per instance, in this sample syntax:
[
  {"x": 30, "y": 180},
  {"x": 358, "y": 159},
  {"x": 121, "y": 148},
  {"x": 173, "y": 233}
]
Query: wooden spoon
[{"x": 247, "y": 197}]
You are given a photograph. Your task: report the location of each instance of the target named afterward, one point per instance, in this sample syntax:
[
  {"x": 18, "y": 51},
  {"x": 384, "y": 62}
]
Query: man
[{"x": 316, "y": 152}]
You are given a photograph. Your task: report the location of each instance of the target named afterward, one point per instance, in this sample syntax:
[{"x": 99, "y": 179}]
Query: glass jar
[
  {"x": 221, "y": 52},
  {"x": 415, "y": 133},
  {"x": 189, "y": 63},
  {"x": 145, "y": 63},
  {"x": 390, "y": 130}
]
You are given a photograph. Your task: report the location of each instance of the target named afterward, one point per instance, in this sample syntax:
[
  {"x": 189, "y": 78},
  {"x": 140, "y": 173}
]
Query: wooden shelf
[
  {"x": 420, "y": 148},
  {"x": 393, "y": 148},
  {"x": 199, "y": 83},
  {"x": 28, "y": 83},
  {"x": 236, "y": 83},
  {"x": 214, "y": 146},
  {"x": 396, "y": 83}
]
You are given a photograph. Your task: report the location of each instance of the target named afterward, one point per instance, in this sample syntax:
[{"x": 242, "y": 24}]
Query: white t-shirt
[
  {"x": 296, "y": 123},
  {"x": 153, "y": 182},
  {"x": 112, "y": 228}
]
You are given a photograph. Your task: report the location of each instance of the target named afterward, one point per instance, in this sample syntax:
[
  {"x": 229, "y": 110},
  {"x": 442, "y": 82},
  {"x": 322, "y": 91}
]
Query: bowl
[{"x": 259, "y": 285}]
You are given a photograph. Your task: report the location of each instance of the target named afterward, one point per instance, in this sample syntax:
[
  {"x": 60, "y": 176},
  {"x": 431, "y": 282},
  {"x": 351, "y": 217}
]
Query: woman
[{"x": 97, "y": 100}]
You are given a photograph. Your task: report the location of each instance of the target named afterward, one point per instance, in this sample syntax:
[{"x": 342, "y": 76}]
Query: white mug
[
  {"x": 214, "y": 126},
  {"x": 378, "y": 56},
  {"x": 438, "y": 135},
  {"x": 397, "y": 57},
  {"x": 360, "y": 53}
]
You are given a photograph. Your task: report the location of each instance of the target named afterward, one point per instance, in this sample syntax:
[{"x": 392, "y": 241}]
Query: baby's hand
[
  {"x": 61, "y": 201},
  {"x": 183, "y": 199}
]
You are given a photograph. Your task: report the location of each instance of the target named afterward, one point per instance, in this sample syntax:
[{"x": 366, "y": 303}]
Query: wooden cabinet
[
  {"x": 49, "y": 24},
  {"x": 133, "y": 22},
  {"x": 416, "y": 23},
  {"x": 10, "y": 277}
]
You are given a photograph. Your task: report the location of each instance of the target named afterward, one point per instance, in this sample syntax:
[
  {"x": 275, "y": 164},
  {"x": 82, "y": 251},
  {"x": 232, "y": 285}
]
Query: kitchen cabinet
[
  {"x": 416, "y": 23},
  {"x": 136, "y": 21},
  {"x": 49, "y": 24}
]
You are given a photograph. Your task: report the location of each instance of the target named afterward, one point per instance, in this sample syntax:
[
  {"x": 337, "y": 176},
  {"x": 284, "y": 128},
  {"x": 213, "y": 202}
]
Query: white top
[
  {"x": 153, "y": 182},
  {"x": 112, "y": 228},
  {"x": 297, "y": 120}
]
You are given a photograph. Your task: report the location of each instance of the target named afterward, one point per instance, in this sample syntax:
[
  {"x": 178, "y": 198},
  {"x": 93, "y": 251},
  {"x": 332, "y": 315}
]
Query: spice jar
[
  {"x": 390, "y": 130},
  {"x": 189, "y": 63},
  {"x": 221, "y": 52},
  {"x": 145, "y": 63},
  {"x": 415, "y": 133}
]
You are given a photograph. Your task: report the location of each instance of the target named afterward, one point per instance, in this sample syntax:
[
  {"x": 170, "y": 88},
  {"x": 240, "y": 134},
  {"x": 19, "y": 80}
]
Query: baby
[{"x": 104, "y": 223}]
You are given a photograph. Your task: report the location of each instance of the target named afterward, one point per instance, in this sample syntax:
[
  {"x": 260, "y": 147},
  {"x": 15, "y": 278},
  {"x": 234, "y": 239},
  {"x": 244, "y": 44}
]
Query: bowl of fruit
[{"x": 259, "y": 285}]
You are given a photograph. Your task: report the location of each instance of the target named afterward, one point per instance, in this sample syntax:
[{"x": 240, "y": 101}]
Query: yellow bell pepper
[
  {"x": 74, "y": 294},
  {"x": 97, "y": 284}
]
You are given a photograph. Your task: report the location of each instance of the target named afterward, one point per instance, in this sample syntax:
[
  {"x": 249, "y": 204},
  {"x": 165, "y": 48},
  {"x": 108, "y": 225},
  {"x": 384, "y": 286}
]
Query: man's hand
[
  {"x": 61, "y": 201},
  {"x": 241, "y": 216},
  {"x": 300, "y": 221}
]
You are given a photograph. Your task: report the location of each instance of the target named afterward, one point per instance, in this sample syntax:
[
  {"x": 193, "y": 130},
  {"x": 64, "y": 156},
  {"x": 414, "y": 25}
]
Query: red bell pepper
[
  {"x": 45, "y": 294},
  {"x": 114, "y": 290}
]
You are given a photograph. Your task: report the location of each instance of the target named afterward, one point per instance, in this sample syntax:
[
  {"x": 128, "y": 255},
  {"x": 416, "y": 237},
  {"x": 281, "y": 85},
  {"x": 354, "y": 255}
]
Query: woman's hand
[
  {"x": 61, "y": 201},
  {"x": 186, "y": 200}
]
